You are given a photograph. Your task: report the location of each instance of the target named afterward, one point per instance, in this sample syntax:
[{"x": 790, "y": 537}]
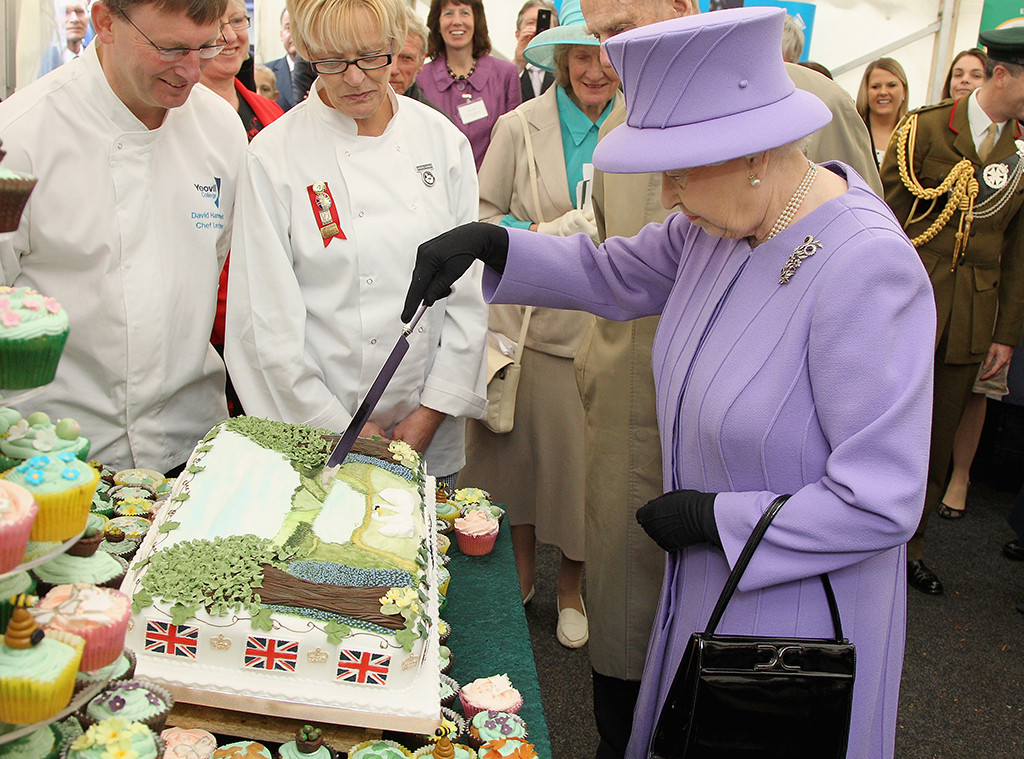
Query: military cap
[{"x": 1006, "y": 44}]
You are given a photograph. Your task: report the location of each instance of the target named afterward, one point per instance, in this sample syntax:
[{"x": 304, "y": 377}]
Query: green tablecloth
[{"x": 489, "y": 632}]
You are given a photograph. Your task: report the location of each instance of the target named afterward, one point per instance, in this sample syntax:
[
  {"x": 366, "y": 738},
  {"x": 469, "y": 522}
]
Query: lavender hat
[{"x": 705, "y": 89}]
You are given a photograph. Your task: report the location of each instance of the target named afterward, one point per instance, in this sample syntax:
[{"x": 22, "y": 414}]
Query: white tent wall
[{"x": 844, "y": 31}]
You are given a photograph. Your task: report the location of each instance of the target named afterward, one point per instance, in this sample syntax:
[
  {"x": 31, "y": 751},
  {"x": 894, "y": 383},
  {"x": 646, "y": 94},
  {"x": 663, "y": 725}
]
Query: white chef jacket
[
  {"x": 127, "y": 228},
  {"x": 309, "y": 326}
]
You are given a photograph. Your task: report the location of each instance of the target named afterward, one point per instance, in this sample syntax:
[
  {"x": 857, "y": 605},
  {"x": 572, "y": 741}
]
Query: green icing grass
[{"x": 305, "y": 446}]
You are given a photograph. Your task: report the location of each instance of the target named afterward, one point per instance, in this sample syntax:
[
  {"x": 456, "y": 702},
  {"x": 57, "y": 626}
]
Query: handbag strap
[
  {"x": 538, "y": 217},
  {"x": 741, "y": 564}
]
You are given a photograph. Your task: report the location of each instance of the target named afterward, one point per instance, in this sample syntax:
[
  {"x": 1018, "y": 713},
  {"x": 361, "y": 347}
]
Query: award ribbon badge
[{"x": 324, "y": 211}]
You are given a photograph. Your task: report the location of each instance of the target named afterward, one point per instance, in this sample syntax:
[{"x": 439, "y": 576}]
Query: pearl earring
[{"x": 754, "y": 181}]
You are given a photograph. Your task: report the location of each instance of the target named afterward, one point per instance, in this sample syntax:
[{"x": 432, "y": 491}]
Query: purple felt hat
[{"x": 705, "y": 89}]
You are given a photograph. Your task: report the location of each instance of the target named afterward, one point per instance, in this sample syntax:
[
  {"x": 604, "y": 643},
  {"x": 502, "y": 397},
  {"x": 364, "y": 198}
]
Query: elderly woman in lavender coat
[{"x": 793, "y": 353}]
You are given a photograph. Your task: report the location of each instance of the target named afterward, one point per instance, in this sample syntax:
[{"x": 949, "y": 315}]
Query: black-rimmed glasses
[
  {"x": 179, "y": 53},
  {"x": 340, "y": 66}
]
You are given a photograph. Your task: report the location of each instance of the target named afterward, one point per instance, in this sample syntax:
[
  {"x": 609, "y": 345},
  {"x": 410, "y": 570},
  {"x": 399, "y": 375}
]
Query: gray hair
[
  {"x": 792, "y": 40},
  {"x": 415, "y": 26}
]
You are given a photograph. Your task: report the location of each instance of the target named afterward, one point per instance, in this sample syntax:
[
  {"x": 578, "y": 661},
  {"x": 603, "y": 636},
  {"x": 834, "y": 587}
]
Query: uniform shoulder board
[{"x": 947, "y": 103}]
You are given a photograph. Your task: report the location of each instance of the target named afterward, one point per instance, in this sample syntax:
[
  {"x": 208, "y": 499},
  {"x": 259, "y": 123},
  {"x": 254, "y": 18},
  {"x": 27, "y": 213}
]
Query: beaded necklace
[
  {"x": 458, "y": 77},
  {"x": 786, "y": 217}
]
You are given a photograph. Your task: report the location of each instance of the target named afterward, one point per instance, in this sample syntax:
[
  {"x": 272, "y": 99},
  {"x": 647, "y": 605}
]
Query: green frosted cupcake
[
  {"x": 115, "y": 737},
  {"x": 37, "y": 434},
  {"x": 379, "y": 749},
  {"x": 33, "y": 330},
  {"x": 131, "y": 701},
  {"x": 99, "y": 569},
  {"x": 44, "y": 743}
]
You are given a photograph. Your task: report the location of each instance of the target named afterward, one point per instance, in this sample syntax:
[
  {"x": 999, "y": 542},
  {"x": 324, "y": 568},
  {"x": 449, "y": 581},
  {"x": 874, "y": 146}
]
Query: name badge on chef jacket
[{"x": 472, "y": 111}]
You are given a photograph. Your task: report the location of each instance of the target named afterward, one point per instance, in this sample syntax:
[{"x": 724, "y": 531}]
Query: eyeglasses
[
  {"x": 340, "y": 66},
  {"x": 179, "y": 53},
  {"x": 238, "y": 24}
]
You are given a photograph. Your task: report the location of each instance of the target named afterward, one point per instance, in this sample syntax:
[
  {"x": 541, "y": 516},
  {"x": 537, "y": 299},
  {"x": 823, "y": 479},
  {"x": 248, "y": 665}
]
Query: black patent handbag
[{"x": 747, "y": 697}]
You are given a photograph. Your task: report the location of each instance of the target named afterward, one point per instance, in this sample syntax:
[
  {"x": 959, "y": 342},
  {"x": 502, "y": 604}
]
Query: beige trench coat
[{"x": 613, "y": 369}]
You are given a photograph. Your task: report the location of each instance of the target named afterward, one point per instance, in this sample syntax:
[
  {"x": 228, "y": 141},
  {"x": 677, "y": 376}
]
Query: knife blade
[{"x": 373, "y": 395}]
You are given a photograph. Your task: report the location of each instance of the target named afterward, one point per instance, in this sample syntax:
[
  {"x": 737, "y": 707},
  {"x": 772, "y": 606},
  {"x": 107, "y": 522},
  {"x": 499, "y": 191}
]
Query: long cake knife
[{"x": 348, "y": 439}]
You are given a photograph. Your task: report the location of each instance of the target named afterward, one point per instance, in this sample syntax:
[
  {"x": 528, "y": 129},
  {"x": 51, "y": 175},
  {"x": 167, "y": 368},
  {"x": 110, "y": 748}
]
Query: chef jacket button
[
  {"x": 373, "y": 341},
  {"x": 414, "y": 206},
  {"x": 369, "y": 280},
  {"x": 398, "y": 148},
  {"x": 347, "y": 154},
  {"x": 360, "y": 214},
  {"x": 120, "y": 146}
]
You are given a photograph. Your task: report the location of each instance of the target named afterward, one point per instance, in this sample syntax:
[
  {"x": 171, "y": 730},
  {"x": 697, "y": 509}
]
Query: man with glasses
[{"x": 129, "y": 225}]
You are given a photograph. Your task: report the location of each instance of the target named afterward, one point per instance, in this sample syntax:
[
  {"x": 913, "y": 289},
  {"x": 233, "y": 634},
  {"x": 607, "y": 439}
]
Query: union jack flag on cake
[
  {"x": 270, "y": 653},
  {"x": 363, "y": 667},
  {"x": 170, "y": 639}
]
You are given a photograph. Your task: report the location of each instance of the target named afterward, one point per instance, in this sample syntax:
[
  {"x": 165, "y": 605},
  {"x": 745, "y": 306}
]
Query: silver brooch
[
  {"x": 807, "y": 248},
  {"x": 996, "y": 175}
]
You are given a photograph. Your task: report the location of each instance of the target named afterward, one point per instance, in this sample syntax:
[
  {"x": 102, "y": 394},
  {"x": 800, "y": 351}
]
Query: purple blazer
[
  {"x": 820, "y": 387},
  {"x": 494, "y": 80}
]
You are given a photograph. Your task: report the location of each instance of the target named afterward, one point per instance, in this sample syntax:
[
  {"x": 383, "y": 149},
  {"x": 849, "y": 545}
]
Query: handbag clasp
[{"x": 776, "y": 657}]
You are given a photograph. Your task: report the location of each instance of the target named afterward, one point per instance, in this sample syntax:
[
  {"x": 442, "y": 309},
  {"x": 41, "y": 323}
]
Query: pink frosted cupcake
[
  {"x": 18, "y": 510},
  {"x": 493, "y": 693},
  {"x": 98, "y": 615},
  {"x": 475, "y": 533}
]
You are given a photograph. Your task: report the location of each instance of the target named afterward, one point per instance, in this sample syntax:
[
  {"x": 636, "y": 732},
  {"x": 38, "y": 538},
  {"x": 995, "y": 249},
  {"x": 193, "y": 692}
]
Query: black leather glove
[
  {"x": 441, "y": 261},
  {"x": 679, "y": 519}
]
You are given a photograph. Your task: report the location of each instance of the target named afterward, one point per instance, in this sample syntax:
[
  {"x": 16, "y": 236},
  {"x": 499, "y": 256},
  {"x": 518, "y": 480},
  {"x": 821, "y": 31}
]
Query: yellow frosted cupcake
[
  {"x": 37, "y": 671},
  {"x": 63, "y": 487}
]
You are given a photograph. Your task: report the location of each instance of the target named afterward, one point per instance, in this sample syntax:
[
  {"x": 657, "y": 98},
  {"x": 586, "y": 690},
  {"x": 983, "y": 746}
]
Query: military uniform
[{"x": 979, "y": 290}]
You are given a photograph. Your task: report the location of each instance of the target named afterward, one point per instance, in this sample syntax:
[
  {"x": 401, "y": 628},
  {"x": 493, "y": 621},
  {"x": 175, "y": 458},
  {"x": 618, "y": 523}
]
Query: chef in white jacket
[
  {"x": 129, "y": 225},
  {"x": 334, "y": 199}
]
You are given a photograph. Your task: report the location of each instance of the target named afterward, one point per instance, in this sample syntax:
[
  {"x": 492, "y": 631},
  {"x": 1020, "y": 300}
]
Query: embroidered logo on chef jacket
[
  {"x": 324, "y": 211},
  {"x": 210, "y": 191},
  {"x": 427, "y": 174}
]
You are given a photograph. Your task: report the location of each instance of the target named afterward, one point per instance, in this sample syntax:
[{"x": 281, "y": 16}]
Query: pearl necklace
[{"x": 786, "y": 217}]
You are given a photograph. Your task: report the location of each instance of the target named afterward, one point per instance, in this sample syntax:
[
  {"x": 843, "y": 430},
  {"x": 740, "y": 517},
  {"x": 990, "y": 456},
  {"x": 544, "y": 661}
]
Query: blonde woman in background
[{"x": 882, "y": 101}]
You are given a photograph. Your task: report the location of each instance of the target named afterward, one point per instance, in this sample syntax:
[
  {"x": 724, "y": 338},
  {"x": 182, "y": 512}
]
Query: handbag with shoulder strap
[
  {"x": 503, "y": 371},
  {"x": 755, "y": 697}
]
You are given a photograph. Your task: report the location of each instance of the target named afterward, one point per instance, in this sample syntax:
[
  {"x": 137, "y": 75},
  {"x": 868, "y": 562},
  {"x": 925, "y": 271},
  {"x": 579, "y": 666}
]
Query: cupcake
[
  {"x": 134, "y": 528},
  {"x": 443, "y": 543},
  {"x": 444, "y": 659},
  {"x": 475, "y": 533},
  {"x": 490, "y": 725},
  {"x": 123, "y": 668},
  {"x": 130, "y": 701},
  {"x": 97, "y": 615},
  {"x": 452, "y": 725},
  {"x": 101, "y": 503},
  {"x": 379, "y": 749},
  {"x": 44, "y": 743},
  {"x": 63, "y": 487},
  {"x": 507, "y": 747},
  {"x": 308, "y": 744},
  {"x": 91, "y": 538},
  {"x": 18, "y": 510},
  {"x": 122, "y": 492},
  {"x": 448, "y": 512},
  {"x": 242, "y": 750},
  {"x": 443, "y": 578},
  {"x": 165, "y": 487},
  {"x": 37, "y": 434},
  {"x": 444, "y": 527},
  {"x": 148, "y": 478},
  {"x": 99, "y": 569},
  {"x": 449, "y": 691},
  {"x": 132, "y": 506},
  {"x": 489, "y": 693},
  {"x": 458, "y": 751},
  {"x": 37, "y": 670},
  {"x": 33, "y": 330},
  {"x": 10, "y": 587},
  {"x": 115, "y": 737},
  {"x": 188, "y": 744},
  {"x": 444, "y": 631},
  {"x": 115, "y": 543}
]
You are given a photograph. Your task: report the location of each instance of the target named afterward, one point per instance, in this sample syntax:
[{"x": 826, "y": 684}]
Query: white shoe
[{"x": 573, "y": 630}]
